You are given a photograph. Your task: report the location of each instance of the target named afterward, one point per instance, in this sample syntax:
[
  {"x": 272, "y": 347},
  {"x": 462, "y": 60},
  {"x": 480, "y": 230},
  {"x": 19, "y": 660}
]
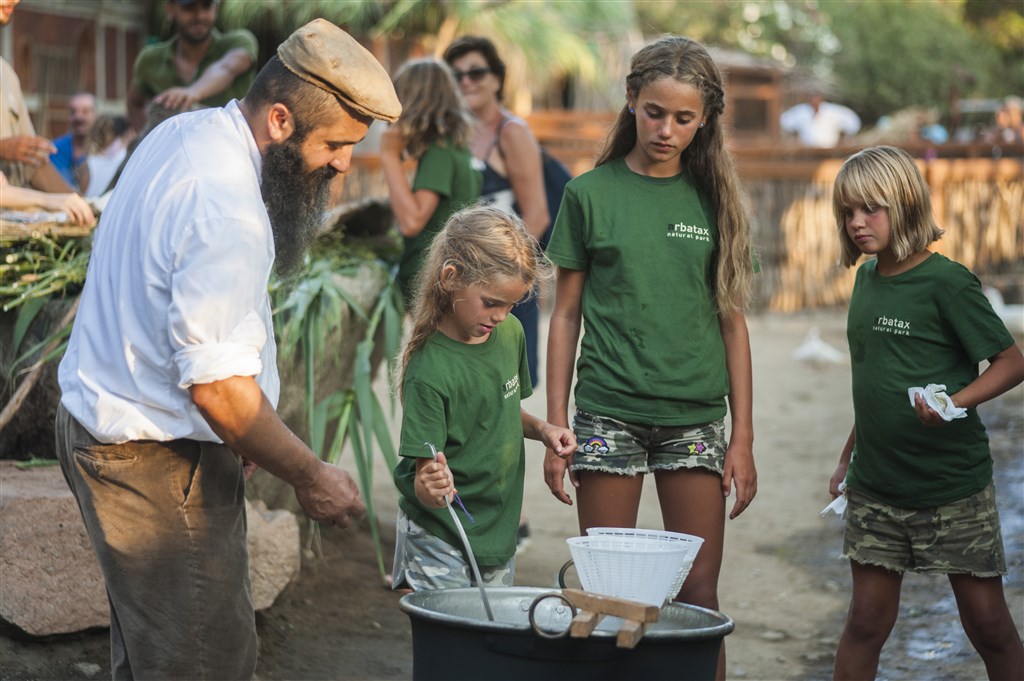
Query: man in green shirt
[{"x": 198, "y": 65}]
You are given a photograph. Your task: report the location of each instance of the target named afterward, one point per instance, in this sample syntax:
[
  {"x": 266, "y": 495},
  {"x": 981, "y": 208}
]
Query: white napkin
[
  {"x": 838, "y": 505},
  {"x": 935, "y": 396}
]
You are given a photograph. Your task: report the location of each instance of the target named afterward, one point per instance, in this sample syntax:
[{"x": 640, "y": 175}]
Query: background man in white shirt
[
  {"x": 169, "y": 383},
  {"x": 818, "y": 123}
]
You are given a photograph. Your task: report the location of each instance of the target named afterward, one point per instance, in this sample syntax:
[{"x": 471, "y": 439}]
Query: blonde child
[
  {"x": 653, "y": 250},
  {"x": 434, "y": 129},
  {"x": 462, "y": 375},
  {"x": 919, "y": 489}
]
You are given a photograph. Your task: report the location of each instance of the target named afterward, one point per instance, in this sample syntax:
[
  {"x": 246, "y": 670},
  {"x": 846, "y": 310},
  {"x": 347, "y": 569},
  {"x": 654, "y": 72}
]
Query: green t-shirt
[
  {"x": 931, "y": 324},
  {"x": 465, "y": 400},
  {"x": 652, "y": 349},
  {"x": 154, "y": 67},
  {"x": 447, "y": 171}
]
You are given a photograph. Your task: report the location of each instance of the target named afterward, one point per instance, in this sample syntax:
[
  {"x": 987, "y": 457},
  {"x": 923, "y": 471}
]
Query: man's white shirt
[{"x": 176, "y": 290}]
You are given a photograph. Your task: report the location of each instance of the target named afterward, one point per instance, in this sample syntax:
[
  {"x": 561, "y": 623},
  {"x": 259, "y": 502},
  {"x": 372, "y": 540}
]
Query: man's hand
[
  {"x": 332, "y": 497},
  {"x": 177, "y": 98},
  {"x": 27, "y": 149}
]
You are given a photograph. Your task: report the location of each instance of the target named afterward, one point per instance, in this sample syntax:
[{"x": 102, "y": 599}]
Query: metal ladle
[{"x": 465, "y": 543}]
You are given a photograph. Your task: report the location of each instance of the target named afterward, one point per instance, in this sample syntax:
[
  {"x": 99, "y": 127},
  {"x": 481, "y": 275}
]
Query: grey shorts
[
  {"x": 962, "y": 537},
  {"x": 424, "y": 561},
  {"x": 607, "y": 445}
]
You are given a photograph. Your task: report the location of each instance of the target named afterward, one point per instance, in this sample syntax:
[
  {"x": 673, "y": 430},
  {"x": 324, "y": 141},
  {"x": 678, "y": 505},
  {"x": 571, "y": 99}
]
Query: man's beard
[{"x": 295, "y": 199}]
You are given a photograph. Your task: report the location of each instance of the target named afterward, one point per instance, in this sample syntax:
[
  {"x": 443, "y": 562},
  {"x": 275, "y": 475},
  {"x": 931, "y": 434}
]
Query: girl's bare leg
[
  {"x": 989, "y": 625},
  {"x": 692, "y": 503},
  {"x": 607, "y": 499},
  {"x": 874, "y": 605}
]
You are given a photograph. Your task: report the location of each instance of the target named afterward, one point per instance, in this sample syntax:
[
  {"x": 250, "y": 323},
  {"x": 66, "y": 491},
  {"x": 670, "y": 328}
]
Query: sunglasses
[{"x": 475, "y": 74}]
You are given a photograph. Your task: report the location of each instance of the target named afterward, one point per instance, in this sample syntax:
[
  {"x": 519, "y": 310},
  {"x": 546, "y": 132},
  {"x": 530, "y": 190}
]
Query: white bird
[
  {"x": 1012, "y": 315},
  {"x": 816, "y": 351}
]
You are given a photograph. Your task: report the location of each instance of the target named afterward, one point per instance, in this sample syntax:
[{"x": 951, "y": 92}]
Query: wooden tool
[{"x": 592, "y": 608}]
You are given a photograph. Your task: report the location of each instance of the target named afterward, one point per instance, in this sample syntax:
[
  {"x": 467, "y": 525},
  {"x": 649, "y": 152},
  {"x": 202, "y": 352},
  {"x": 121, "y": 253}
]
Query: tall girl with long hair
[
  {"x": 654, "y": 251},
  {"x": 435, "y": 130}
]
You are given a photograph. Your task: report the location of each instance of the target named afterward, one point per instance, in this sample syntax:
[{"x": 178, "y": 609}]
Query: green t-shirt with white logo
[
  {"x": 652, "y": 350},
  {"x": 465, "y": 400},
  {"x": 931, "y": 324}
]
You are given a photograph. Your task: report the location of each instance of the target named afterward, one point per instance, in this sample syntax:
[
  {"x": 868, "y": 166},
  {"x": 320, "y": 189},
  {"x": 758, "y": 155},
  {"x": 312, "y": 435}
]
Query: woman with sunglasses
[{"x": 507, "y": 154}]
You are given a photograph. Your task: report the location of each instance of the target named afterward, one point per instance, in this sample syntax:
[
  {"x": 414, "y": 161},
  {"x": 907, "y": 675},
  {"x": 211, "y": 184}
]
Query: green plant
[
  {"x": 41, "y": 269},
  {"x": 307, "y": 315},
  {"x": 32, "y": 273}
]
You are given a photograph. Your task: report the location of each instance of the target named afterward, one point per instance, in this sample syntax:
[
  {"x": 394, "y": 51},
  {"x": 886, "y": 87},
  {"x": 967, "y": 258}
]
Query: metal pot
[{"x": 452, "y": 639}]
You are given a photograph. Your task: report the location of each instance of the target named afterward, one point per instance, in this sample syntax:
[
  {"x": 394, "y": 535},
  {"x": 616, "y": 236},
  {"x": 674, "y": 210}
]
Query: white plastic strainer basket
[{"x": 648, "y": 566}]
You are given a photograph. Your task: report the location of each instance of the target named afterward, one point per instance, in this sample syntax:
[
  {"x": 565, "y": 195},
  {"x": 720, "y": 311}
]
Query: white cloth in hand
[
  {"x": 838, "y": 505},
  {"x": 935, "y": 396}
]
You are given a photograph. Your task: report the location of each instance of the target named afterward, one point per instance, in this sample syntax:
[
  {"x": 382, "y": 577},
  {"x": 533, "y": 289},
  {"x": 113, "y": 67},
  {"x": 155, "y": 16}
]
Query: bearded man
[{"x": 170, "y": 380}]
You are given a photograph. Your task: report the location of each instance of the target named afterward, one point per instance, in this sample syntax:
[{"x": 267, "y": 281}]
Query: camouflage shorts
[
  {"x": 608, "y": 445},
  {"x": 424, "y": 561},
  {"x": 962, "y": 537}
]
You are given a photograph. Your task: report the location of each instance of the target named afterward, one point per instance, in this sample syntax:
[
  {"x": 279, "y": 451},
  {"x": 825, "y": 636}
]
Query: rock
[
  {"x": 88, "y": 669},
  {"x": 274, "y": 556},
  {"x": 49, "y": 580}
]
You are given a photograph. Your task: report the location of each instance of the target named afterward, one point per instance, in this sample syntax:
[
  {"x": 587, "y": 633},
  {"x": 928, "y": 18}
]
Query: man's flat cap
[{"x": 326, "y": 56}]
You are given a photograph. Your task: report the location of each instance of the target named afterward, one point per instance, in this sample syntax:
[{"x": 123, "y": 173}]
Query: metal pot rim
[{"x": 412, "y": 604}]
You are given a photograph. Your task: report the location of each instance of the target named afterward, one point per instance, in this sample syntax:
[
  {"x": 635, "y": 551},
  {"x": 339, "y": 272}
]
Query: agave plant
[{"x": 315, "y": 310}]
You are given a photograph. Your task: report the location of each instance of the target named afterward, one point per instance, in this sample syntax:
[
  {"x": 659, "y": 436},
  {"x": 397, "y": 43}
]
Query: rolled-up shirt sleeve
[{"x": 218, "y": 292}]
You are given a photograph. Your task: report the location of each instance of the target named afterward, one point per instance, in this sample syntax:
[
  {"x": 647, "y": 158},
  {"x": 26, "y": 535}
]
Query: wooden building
[{"x": 60, "y": 47}]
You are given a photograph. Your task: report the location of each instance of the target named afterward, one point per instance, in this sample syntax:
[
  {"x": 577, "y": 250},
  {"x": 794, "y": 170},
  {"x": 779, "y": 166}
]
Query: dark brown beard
[{"x": 295, "y": 199}]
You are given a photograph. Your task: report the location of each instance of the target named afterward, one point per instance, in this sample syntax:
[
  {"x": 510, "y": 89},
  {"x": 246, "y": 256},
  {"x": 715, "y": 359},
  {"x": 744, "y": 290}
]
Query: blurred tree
[
  {"x": 541, "y": 43},
  {"x": 1002, "y": 23},
  {"x": 880, "y": 56},
  {"x": 791, "y": 32},
  {"x": 904, "y": 53}
]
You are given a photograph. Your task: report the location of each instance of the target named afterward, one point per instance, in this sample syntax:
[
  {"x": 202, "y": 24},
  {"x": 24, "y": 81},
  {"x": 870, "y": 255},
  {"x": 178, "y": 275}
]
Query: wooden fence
[{"x": 977, "y": 194}]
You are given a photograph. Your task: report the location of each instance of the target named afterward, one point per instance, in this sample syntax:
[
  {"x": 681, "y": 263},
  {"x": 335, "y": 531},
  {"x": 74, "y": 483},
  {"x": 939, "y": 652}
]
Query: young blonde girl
[
  {"x": 462, "y": 375},
  {"x": 918, "y": 480},
  {"x": 653, "y": 250},
  {"x": 434, "y": 129}
]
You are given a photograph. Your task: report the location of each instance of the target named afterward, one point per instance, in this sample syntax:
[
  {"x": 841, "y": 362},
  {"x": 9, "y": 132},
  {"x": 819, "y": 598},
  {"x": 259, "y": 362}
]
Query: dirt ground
[{"x": 782, "y": 582}]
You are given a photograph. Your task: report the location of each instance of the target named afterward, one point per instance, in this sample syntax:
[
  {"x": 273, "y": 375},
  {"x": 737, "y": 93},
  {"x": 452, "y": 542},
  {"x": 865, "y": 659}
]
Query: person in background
[
  {"x": 1006, "y": 127},
  {"x": 24, "y": 156},
  {"x": 20, "y": 198},
  {"x": 107, "y": 145},
  {"x": 169, "y": 383},
  {"x": 654, "y": 255},
  {"x": 462, "y": 375},
  {"x": 818, "y": 123},
  {"x": 917, "y": 474},
  {"x": 508, "y": 155},
  {"x": 199, "y": 65},
  {"x": 72, "y": 147},
  {"x": 435, "y": 130}
]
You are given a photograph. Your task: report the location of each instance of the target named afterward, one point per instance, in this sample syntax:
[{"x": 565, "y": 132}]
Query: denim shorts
[
  {"x": 607, "y": 445},
  {"x": 962, "y": 537}
]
